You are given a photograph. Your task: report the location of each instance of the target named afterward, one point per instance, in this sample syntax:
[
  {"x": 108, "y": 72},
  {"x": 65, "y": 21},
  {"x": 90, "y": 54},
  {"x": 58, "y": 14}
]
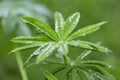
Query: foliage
[
  {"x": 59, "y": 40},
  {"x": 10, "y": 12}
]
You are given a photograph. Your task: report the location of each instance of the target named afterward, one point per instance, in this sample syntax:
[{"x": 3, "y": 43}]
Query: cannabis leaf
[
  {"x": 59, "y": 39},
  {"x": 11, "y": 10}
]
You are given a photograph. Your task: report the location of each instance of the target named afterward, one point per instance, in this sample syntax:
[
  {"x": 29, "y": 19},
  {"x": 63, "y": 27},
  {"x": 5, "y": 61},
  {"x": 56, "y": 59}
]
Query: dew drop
[
  {"x": 91, "y": 47},
  {"x": 36, "y": 52},
  {"x": 109, "y": 66},
  {"x": 75, "y": 44},
  {"x": 84, "y": 35}
]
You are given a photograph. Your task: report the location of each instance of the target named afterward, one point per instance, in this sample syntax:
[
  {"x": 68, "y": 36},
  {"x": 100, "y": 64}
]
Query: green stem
[
  {"x": 20, "y": 64},
  {"x": 65, "y": 60}
]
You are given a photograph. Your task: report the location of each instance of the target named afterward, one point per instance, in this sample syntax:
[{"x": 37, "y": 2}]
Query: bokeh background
[{"x": 92, "y": 11}]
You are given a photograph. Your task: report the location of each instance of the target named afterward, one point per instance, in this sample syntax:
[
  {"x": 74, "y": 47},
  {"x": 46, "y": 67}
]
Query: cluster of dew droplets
[
  {"x": 81, "y": 32},
  {"x": 56, "y": 27},
  {"x": 63, "y": 48},
  {"x": 73, "y": 16},
  {"x": 95, "y": 74},
  {"x": 102, "y": 49},
  {"x": 60, "y": 47},
  {"x": 85, "y": 54},
  {"x": 45, "y": 50},
  {"x": 106, "y": 50},
  {"x": 37, "y": 51},
  {"x": 48, "y": 49},
  {"x": 75, "y": 43},
  {"x": 61, "y": 24}
]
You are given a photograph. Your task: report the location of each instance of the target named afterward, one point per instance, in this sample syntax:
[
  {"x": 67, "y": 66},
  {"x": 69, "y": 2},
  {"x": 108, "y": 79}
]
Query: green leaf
[
  {"x": 35, "y": 53},
  {"x": 75, "y": 75},
  {"x": 49, "y": 75},
  {"x": 27, "y": 61},
  {"x": 95, "y": 62},
  {"x": 26, "y": 47},
  {"x": 86, "y": 74},
  {"x": 85, "y": 30},
  {"x": 70, "y": 24},
  {"x": 63, "y": 49},
  {"x": 59, "y": 24},
  {"x": 89, "y": 45},
  {"x": 58, "y": 69},
  {"x": 65, "y": 71},
  {"x": 102, "y": 71},
  {"x": 46, "y": 52},
  {"x": 96, "y": 75},
  {"x": 41, "y": 26},
  {"x": 82, "y": 56},
  {"x": 25, "y": 41},
  {"x": 30, "y": 39},
  {"x": 97, "y": 47},
  {"x": 80, "y": 44}
]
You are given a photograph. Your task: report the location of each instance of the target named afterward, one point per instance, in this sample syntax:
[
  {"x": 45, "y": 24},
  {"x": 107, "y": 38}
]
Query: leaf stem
[
  {"x": 20, "y": 64},
  {"x": 65, "y": 60}
]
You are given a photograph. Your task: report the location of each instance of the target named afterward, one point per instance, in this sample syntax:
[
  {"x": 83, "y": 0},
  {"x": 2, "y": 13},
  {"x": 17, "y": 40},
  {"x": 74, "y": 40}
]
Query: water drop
[
  {"x": 84, "y": 35},
  {"x": 75, "y": 44},
  {"x": 37, "y": 51},
  {"x": 109, "y": 66},
  {"x": 91, "y": 47}
]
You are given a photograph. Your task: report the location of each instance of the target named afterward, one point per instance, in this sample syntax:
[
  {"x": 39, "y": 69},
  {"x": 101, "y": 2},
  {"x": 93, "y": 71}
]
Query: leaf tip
[
  {"x": 77, "y": 14},
  {"x": 101, "y": 23},
  {"x": 107, "y": 51}
]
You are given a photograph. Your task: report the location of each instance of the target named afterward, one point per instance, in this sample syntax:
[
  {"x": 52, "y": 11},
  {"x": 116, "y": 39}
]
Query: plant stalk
[{"x": 20, "y": 64}]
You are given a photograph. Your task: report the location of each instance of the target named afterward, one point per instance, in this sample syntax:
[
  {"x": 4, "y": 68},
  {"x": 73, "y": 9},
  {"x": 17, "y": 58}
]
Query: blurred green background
[{"x": 92, "y": 11}]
